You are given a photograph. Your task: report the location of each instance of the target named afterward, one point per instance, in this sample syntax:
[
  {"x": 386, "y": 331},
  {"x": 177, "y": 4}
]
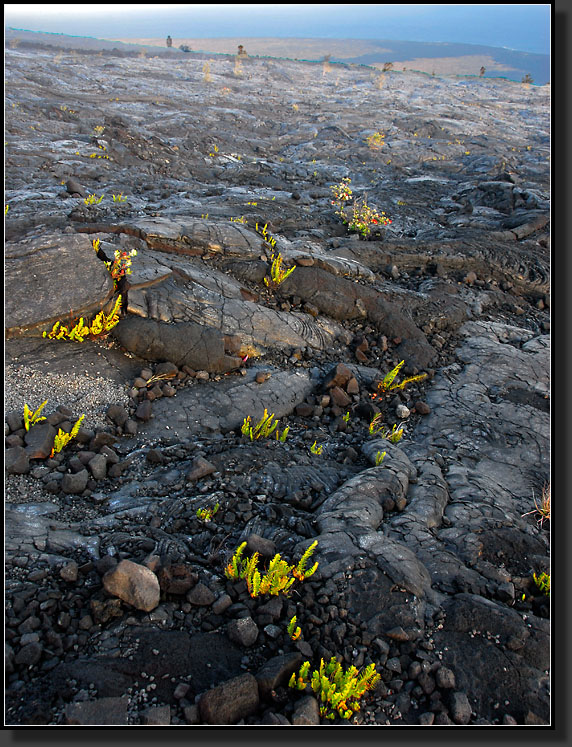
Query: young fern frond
[
  {"x": 389, "y": 378},
  {"x": 294, "y": 631},
  {"x": 62, "y": 438},
  {"x": 300, "y": 569},
  {"x": 409, "y": 380},
  {"x": 31, "y": 418},
  {"x": 234, "y": 567}
]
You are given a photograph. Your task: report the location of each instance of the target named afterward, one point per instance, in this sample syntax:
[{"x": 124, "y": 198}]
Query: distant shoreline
[{"x": 433, "y": 58}]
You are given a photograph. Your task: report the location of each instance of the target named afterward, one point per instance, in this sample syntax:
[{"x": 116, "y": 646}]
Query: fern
[
  {"x": 278, "y": 578},
  {"x": 277, "y": 273},
  {"x": 100, "y": 326},
  {"x": 31, "y": 418},
  {"x": 542, "y": 581},
  {"x": 264, "y": 428},
  {"x": 233, "y": 568},
  {"x": 62, "y": 438},
  {"x": 337, "y": 691},
  {"x": 300, "y": 570},
  {"x": 294, "y": 631},
  {"x": 388, "y": 385}
]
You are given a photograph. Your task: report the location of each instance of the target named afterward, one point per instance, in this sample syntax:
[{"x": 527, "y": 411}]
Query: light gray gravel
[{"x": 85, "y": 393}]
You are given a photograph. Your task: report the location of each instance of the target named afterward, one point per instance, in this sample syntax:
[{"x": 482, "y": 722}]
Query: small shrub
[
  {"x": 342, "y": 193},
  {"x": 207, "y": 514},
  {"x": 121, "y": 264},
  {"x": 279, "y": 577},
  {"x": 363, "y": 217},
  {"x": 92, "y": 199},
  {"x": 277, "y": 272},
  {"x": 99, "y": 327},
  {"x": 337, "y": 691},
  {"x": 394, "y": 435},
  {"x": 375, "y": 426},
  {"x": 376, "y": 141},
  {"x": 264, "y": 428}
]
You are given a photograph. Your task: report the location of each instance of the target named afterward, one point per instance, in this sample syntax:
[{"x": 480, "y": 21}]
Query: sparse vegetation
[
  {"x": 31, "y": 418},
  {"x": 99, "y": 327},
  {"x": 279, "y": 577},
  {"x": 277, "y": 272},
  {"x": 360, "y": 216},
  {"x": 338, "y": 691},
  {"x": 294, "y": 631},
  {"x": 62, "y": 438},
  {"x": 315, "y": 449},
  {"x": 265, "y": 427},
  {"x": 542, "y": 581},
  {"x": 207, "y": 514},
  {"x": 388, "y": 383},
  {"x": 92, "y": 199},
  {"x": 542, "y": 507}
]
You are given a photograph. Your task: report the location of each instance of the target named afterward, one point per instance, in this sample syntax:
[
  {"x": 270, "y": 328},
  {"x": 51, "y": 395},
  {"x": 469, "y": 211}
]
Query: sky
[{"x": 524, "y": 27}]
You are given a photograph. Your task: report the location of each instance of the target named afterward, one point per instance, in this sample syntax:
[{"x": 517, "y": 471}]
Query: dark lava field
[{"x": 407, "y": 367}]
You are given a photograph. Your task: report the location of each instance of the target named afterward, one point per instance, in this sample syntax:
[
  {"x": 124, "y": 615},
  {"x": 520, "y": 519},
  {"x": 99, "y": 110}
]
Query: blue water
[{"x": 517, "y": 27}]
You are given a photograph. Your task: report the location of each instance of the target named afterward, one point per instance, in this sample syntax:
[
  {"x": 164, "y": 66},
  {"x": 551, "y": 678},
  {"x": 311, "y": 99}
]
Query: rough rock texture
[{"x": 427, "y": 547}]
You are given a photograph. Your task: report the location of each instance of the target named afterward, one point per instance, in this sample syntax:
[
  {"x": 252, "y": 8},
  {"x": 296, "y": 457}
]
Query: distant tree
[
  {"x": 527, "y": 78},
  {"x": 387, "y": 66},
  {"x": 241, "y": 51},
  {"x": 482, "y": 72}
]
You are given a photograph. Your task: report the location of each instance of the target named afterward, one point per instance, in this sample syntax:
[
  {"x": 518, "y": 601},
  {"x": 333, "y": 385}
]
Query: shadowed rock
[
  {"x": 63, "y": 276},
  {"x": 183, "y": 343}
]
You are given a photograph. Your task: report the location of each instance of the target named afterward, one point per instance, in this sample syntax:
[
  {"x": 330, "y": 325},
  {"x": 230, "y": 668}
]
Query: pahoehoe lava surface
[{"x": 118, "y": 608}]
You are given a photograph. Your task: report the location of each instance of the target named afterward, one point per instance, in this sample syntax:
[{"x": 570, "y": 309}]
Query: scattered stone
[
  {"x": 266, "y": 548},
  {"x": 16, "y": 461},
  {"x": 75, "y": 483},
  {"x": 426, "y": 719},
  {"x": 100, "y": 712},
  {"x": 200, "y": 595},
  {"x": 422, "y": 408},
  {"x": 276, "y": 672},
  {"x": 200, "y": 468},
  {"x": 144, "y": 411},
  {"x": 445, "y": 679},
  {"x": 133, "y": 584},
  {"x": 177, "y": 578},
  {"x": 117, "y": 414},
  {"x": 39, "y": 440},
  {"x": 157, "y": 716},
  {"x": 69, "y": 572},
  {"x": 98, "y": 467},
  {"x": 459, "y": 707},
  {"x": 155, "y": 456},
  {"x": 307, "y": 712},
  {"x": 230, "y": 701},
  {"x": 243, "y": 631}
]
